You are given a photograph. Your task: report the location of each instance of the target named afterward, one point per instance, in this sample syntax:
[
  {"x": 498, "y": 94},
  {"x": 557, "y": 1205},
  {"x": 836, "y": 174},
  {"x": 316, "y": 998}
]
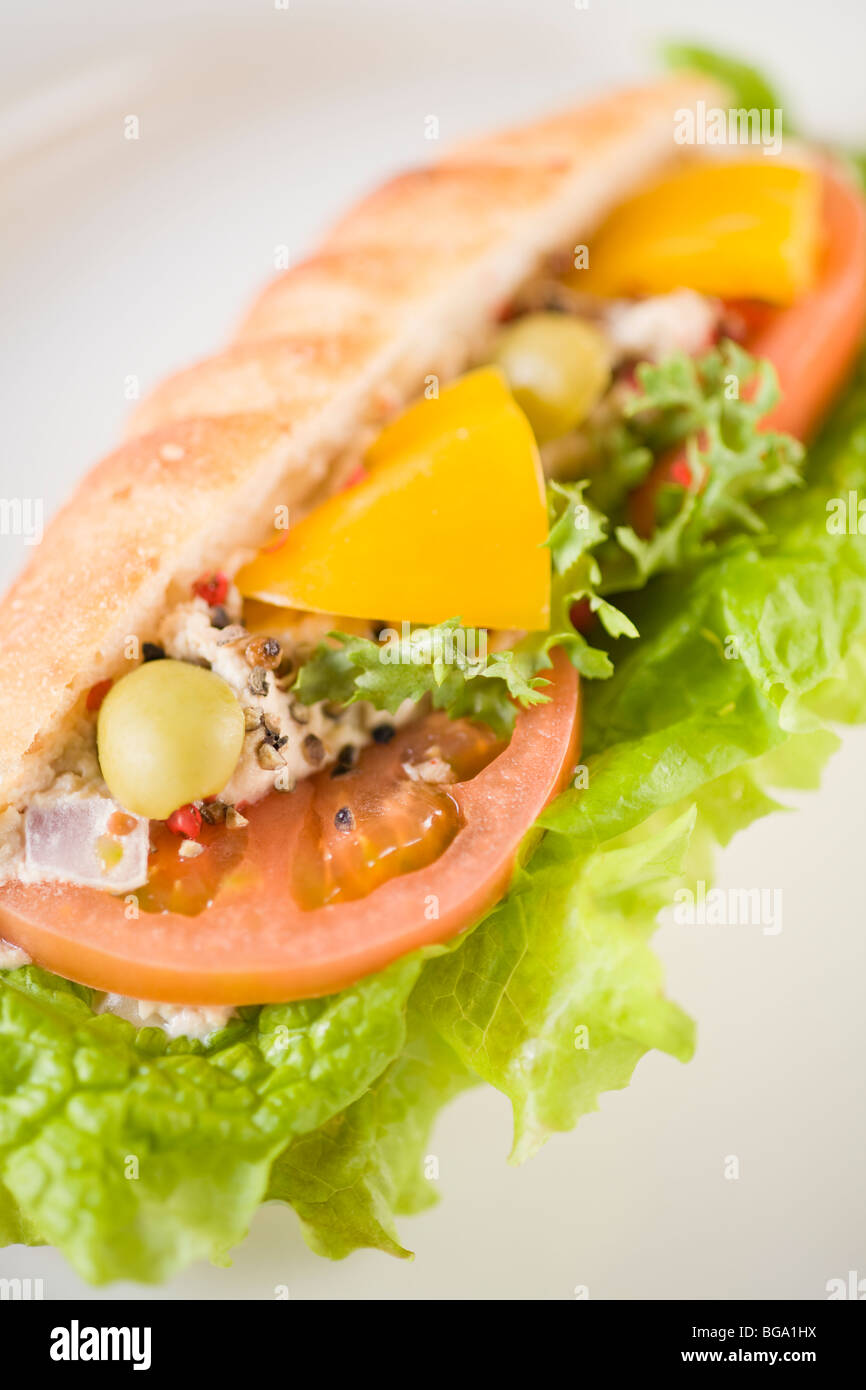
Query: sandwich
[{"x": 362, "y": 710}]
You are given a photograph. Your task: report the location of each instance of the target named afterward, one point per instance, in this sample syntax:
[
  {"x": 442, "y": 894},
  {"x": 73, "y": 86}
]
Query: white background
[{"x": 119, "y": 258}]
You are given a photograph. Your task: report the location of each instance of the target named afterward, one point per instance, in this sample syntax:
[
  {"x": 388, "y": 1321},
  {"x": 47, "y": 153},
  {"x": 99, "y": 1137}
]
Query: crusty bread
[{"x": 404, "y": 286}]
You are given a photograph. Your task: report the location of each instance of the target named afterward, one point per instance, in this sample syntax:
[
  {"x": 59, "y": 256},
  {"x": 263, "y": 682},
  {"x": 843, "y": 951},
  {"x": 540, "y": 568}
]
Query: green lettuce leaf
[
  {"x": 135, "y": 1154},
  {"x": 15, "y": 1229},
  {"x": 556, "y": 996},
  {"x": 350, "y": 1179},
  {"x": 709, "y": 409},
  {"x": 577, "y": 529},
  {"x": 445, "y": 661}
]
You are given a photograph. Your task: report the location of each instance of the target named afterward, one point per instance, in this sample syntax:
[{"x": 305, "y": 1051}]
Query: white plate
[{"x": 127, "y": 258}]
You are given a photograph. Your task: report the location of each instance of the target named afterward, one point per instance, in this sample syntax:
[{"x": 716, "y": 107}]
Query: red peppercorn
[
  {"x": 213, "y": 588},
  {"x": 186, "y": 820},
  {"x": 97, "y": 693}
]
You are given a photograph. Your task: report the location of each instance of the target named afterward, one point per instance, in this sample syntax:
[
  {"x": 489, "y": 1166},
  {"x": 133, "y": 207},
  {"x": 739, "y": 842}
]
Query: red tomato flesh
[{"x": 298, "y": 904}]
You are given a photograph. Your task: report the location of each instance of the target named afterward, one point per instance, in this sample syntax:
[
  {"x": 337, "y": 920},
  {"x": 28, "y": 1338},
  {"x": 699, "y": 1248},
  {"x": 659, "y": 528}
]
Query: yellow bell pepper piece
[
  {"x": 482, "y": 392},
  {"x": 450, "y": 521},
  {"x": 743, "y": 230}
]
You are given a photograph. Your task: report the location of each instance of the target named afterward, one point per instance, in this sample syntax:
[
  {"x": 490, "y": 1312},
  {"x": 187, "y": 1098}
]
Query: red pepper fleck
[
  {"x": 97, "y": 693},
  {"x": 186, "y": 820},
  {"x": 213, "y": 588}
]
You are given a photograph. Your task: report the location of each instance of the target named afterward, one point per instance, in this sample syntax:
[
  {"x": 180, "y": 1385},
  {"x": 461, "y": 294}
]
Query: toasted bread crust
[{"x": 405, "y": 285}]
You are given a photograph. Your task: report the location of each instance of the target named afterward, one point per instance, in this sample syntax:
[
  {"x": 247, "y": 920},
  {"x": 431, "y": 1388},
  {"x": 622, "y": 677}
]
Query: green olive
[
  {"x": 557, "y": 366},
  {"x": 168, "y": 733}
]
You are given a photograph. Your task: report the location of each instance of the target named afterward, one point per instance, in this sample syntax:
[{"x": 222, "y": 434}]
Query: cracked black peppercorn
[
  {"x": 263, "y": 651},
  {"x": 344, "y": 819},
  {"x": 383, "y": 733},
  {"x": 259, "y": 683},
  {"x": 313, "y": 749},
  {"x": 346, "y": 759}
]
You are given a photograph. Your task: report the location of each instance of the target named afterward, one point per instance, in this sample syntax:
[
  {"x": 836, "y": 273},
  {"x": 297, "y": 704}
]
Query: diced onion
[{"x": 68, "y": 838}]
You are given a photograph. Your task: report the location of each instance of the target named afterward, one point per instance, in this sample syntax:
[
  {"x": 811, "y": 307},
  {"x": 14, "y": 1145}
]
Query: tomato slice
[
  {"x": 310, "y": 904},
  {"x": 812, "y": 344}
]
